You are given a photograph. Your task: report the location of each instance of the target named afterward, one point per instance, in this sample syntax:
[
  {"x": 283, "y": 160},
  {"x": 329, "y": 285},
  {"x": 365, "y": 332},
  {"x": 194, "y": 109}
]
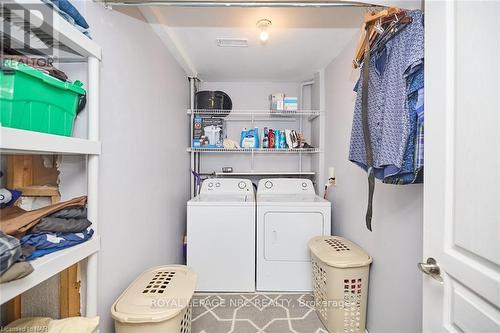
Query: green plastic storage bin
[{"x": 33, "y": 100}]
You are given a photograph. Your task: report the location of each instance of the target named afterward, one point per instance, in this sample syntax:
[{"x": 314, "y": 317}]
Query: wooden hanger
[
  {"x": 371, "y": 19},
  {"x": 373, "y": 16}
]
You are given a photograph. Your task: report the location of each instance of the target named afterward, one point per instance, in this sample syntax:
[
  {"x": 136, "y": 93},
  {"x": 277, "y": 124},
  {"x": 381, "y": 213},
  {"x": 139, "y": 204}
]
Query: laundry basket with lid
[
  {"x": 340, "y": 283},
  {"x": 157, "y": 301}
]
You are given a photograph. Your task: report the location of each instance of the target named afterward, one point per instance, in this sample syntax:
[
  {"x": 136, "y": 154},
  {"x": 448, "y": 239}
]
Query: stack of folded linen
[
  {"x": 70, "y": 14},
  {"x": 27, "y": 235},
  {"x": 63, "y": 229},
  {"x": 10, "y": 253}
]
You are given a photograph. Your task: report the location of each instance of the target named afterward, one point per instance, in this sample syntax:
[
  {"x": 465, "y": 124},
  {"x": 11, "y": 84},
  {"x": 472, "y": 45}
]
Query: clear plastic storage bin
[
  {"x": 340, "y": 283},
  {"x": 157, "y": 301}
]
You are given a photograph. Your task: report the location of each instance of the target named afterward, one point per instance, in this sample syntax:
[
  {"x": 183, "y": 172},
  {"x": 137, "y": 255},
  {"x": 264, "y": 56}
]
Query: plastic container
[
  {"x": 157, "y": 301},
  {"x": 35, "y": 101},
  {"x": 340, "y": 283}
]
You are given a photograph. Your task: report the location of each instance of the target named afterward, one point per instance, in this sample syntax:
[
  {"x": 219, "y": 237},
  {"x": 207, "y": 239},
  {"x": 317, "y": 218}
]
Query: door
[
  {"x": 287, "y": 234},
  {"x": 462, "y": 179}
]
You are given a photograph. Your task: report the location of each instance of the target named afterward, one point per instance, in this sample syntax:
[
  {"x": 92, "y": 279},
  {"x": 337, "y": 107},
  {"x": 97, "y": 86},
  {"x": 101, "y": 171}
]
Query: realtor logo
[{"x": 26, "y": 29}]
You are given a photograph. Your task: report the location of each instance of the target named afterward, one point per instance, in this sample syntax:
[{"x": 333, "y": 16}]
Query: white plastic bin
[
  {"x": 340, "y": 283},
  {"x": 157, "y": 301}
]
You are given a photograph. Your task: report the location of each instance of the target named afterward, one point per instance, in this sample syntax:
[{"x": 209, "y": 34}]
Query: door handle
[{"x": 431, "y": 268}]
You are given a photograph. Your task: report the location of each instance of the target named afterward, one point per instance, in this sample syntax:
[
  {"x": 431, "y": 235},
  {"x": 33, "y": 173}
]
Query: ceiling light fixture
[{"x": 263, "y": 25}]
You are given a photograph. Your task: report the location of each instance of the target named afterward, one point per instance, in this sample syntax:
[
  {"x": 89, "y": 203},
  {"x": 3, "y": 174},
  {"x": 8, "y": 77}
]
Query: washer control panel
[
  {"x": 285, "y": 186},
  {"x": 226, "y": 186}
]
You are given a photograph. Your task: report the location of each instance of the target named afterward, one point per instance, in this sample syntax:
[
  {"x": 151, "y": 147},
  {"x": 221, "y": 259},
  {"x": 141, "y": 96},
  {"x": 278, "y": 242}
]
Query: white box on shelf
[
  {"x": 277, "y": 102},
  {"x": 291, "y": 103}
]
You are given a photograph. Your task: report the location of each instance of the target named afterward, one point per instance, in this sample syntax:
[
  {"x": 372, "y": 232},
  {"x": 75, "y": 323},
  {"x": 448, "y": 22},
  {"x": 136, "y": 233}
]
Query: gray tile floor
[{"x": 255, "y": 313}]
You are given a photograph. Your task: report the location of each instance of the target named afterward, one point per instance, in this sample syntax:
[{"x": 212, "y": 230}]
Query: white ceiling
[{"x": 301, "y": 41}]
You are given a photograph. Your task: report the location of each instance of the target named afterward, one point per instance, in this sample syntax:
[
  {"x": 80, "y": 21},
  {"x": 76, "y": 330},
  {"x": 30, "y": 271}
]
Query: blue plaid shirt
[
  {"x": 10, "y": 251},
  {"x": 410, "y": 170}
]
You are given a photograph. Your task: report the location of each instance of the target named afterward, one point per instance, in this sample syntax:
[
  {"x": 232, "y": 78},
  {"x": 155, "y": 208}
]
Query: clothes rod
[{"x": 264, "y": 3}]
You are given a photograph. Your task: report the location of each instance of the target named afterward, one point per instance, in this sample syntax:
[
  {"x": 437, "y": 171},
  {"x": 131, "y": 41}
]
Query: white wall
[
  {"x": 395, "y": 300},
  {"x": 144, "y": 170}
]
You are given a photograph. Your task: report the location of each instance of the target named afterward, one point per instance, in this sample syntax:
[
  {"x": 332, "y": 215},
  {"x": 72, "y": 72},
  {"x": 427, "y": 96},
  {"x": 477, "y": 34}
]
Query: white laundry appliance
[
  {"x": 221, "y": 235},
  {"x": 289, "y": 214}
]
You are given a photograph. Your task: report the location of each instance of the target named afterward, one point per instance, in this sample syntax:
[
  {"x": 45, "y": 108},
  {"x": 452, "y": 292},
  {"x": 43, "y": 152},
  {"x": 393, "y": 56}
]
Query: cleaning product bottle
[
  {"x": 265, "y": 139},
  {"x": 277, "y": 139},
  {"x": 282, "y": 140},
  {"x": 242, "y": 136},
  {"x": 251, "y": 139},
  {"x": 257, "y": 137},
  {"x": 271, "y": 138}
]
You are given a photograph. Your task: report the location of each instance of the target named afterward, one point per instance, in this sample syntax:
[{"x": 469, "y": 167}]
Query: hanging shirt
[
  {"x": 408, "y": 174},
  {"x": 388, "y": 116}
]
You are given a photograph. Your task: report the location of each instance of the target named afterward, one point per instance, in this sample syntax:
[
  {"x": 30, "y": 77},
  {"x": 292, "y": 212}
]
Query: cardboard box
[
  {"x": 208, "y": 132},
  {"x": 277, "y": 102},
  {"x": 291, "y": 103}
]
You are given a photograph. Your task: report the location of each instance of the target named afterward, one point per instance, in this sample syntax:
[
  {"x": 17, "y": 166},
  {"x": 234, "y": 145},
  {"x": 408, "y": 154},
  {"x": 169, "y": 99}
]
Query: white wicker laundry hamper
[
  {"x": 157, "y": 301},
  {"x": 340, "y": 283}
]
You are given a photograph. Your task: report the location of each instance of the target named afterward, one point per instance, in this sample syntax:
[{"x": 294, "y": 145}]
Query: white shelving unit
[
  {"x": 252, "y": 118},
  {"x": 15, "y": 141},
  {"x": 45, "y": 267},
  {"x": 65, "y": 44}
]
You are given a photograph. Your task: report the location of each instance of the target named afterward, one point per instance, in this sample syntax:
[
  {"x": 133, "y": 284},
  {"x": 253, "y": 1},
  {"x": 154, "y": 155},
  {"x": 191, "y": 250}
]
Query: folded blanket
[
  {"x": 16, "y": 271},
  {"x": 10, "y": 251},
  {"x": 54, "y": 224},
  {"x": 68, "y": 12},
  {"x": 16, "y": 221},
  {"x": 71, "y": 213},
  {"x": 45, "y": 243}
]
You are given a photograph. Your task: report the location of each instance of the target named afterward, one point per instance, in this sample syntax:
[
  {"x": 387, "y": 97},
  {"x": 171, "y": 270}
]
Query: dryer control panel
[
  {"x": 285, "y": 186},
  {"x": 226, "y": 186}
]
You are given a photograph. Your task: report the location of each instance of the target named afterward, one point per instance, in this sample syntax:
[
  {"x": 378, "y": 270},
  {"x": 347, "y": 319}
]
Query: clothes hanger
[
  {"x": 395, "y": 27},
  {"x": 376, "y": 25},
  {"x": 372, "y": 16}
]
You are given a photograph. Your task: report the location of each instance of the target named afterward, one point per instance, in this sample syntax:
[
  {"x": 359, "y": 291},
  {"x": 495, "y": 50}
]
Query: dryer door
[{"x": 286, "y": 234}]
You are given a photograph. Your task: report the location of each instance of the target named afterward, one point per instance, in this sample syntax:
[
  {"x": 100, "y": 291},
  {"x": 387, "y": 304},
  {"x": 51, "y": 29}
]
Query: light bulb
[
  {"x": 263, "y": 25},
  {"x": 264, "y": 36}
]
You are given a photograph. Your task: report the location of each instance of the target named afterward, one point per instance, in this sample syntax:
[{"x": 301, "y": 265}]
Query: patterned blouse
[{"x": 388, "y": 114}]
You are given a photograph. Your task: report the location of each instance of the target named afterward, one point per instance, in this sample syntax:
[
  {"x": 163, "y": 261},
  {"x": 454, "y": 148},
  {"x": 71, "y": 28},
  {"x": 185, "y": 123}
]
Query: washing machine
[
  {"x": 221, "y": 235},
  {"x": 289, "y": 214}
]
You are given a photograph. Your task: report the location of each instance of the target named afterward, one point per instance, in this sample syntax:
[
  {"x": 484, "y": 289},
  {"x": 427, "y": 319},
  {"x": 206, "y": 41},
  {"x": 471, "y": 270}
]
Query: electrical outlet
[
  {"x": 332, "y": 180},
  {"x": 331, "y": 172}
]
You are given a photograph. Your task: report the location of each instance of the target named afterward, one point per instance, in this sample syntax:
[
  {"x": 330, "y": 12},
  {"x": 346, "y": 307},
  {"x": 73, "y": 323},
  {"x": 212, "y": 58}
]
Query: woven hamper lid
[
  {"x": 338, "y": 252},
  {"x": 158, "y": 294}
]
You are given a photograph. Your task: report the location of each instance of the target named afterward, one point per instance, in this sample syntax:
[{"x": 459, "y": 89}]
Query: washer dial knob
[
  {"x": 242, "y": 185},
  {"x": 268, "y": 184}
]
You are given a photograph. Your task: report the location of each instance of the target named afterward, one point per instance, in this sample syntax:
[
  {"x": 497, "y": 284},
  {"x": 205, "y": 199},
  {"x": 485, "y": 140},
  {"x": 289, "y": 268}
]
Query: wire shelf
[
  {"x": 254, "y": 112},
  {"x": 255, "y": 150}
]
